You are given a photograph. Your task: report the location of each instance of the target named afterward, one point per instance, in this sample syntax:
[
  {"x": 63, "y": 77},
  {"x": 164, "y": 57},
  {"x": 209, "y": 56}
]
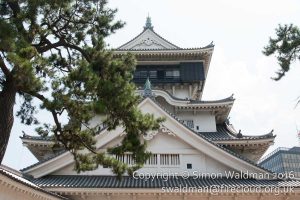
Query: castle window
[
  {"x": 152, "y": 160},
  {"x": 160, "y": 74},
  {"x": 141, "y": 74},
  {"x": 162, "y": 159},
  {"x": 189, "y": 123},
  {"x": 172, "y": 74},
  {"x": 152, "y": 74},
  {"x": 189, "y": 166},
  {"x": 169, "y": 159},
  {"x": 126, "y": 158}
]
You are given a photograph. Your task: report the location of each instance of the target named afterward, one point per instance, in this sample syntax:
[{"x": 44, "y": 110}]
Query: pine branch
[
  {"x": 62, "y": 43},
  {"x": 4, "y": 68}
]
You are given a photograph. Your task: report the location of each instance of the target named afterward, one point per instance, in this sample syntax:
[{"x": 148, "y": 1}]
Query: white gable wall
[
  {"x": 162, "y": 143},
  {"x": 148, "y": 40}
]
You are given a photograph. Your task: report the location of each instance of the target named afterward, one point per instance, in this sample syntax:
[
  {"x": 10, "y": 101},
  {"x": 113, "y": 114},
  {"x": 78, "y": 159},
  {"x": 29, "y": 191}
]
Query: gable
[
  {"x": 213, "y": 153},
  {"x": 148, "y": 39},
  {"x": 162, "y": 145}
]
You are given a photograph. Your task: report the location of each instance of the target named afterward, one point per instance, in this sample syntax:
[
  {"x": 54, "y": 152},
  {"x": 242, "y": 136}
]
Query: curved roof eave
[
  {"x": 188, "y": 102},
  {"x": 179, "y": 50},
  {"x": 233, "y": 133}
]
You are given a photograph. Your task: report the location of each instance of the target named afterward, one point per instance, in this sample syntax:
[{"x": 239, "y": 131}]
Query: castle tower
[{"x": 195, "y": 137}]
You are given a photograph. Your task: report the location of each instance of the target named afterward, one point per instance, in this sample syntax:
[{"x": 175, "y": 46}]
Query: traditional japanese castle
[{"x": 196, "y": 145}]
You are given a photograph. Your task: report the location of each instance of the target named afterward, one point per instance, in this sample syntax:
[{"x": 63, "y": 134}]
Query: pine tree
[
  {"x": 286, "y": 47},
  {"x": 54, "y": 51}
]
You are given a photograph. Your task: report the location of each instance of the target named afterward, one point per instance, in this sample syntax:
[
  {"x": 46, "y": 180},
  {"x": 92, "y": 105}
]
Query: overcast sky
[{"x": 240, "y": 30}]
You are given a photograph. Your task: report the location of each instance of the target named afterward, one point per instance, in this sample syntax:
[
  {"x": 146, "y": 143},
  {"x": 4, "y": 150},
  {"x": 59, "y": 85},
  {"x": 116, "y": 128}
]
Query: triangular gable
[
  {"x": 162, "y": 142},
  {"x": 185, "y": 134},
  {"x": 148, "y": 39}
]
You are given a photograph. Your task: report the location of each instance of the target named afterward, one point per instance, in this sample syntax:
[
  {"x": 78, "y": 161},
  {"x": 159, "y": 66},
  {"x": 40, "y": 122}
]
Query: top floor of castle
[{"x": 180, "y": 71}]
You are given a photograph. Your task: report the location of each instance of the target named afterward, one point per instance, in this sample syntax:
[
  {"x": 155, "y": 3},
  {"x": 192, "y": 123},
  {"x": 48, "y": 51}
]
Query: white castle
[{"x": 196, "y": 145}]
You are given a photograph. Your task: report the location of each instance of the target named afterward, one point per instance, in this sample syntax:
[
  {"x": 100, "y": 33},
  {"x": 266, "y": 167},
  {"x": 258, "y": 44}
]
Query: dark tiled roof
[
  {"x": 28, "y": 183},
  {"x": 51, "y": 138},
  {"x": 81, "y": 181},
  {"x": 48, "y": 138},
  {"x": 223, "y": 133}
]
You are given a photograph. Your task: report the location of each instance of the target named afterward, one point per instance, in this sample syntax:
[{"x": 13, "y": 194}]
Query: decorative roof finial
[
  {"x": 147, "y": 89},
  {"x": 239, "y": 135},
  {"x": 148, "y": 24}
]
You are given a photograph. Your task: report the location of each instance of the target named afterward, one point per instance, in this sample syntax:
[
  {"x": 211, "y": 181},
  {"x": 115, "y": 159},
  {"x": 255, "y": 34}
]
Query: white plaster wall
[
  {"x": 205, "y": 120},
  {"x": 182, "y": 92},
  {"x": 163, "y": 143}
]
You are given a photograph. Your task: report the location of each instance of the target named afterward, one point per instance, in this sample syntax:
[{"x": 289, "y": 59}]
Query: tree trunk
[{"x": 7, "y": 101}]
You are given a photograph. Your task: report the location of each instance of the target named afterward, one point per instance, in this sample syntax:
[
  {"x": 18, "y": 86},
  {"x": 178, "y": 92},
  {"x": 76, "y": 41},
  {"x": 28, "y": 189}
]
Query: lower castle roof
[
  {"x": 224, "y": 133},
  {"x": 83, "y": 181}
]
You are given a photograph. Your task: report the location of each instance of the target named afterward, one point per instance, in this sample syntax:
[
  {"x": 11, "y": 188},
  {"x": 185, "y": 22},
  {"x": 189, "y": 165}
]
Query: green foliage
[
  {"x": 286, "y": 47},
  {"x": 55, "y": 51}
]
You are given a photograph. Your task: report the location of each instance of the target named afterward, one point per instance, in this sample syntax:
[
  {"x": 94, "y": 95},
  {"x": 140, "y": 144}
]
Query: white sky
[{"x": 240, "y": 30}]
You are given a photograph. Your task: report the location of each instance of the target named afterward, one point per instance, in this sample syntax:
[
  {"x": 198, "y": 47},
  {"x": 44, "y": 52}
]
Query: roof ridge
[{"x": 166, "y": 40}]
